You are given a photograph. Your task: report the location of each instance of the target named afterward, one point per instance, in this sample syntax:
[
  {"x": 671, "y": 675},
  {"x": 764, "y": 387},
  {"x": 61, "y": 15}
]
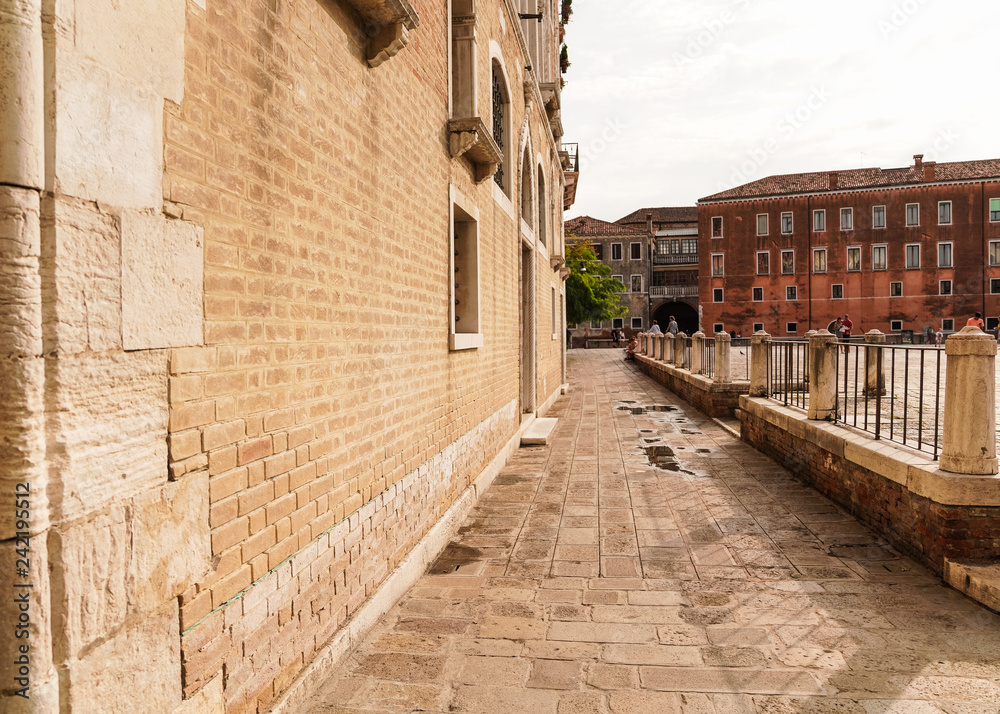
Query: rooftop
[
  {"x": 665, "y": 214},
  {"x": 587, "y": 226}
]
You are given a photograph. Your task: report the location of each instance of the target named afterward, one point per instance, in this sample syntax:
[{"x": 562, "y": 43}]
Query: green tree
[{"x": 591, "y": 292}]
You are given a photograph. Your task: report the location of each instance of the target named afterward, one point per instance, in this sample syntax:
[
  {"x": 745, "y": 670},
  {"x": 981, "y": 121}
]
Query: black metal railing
[
  {"x": 708, "y": 357},
  {"x": 675, "y": 259},
  {"x": 739, "y": 358},
  {"x": 788, "y": 372},
  {"x": 687, "y": 346},
  {"x": 894, "y": 392},
  {"x": 573, "y": 150}
]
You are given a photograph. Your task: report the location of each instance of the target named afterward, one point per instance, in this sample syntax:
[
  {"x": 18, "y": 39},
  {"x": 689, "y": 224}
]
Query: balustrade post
[
  {"x": 723, "y": 363},
  {"x": 970, "y": 445},
  {"x": 809, "y": 334},
  {"x": 874, "y": 376},
  {"x": 642, "y": 343},
  {"x": 697, "y": 358},
  {"x": 671, "y": 342},
  {"x": 658, "y": 347},
  {"x": 679, "y": 350},
  {"x": 760, "y": 345},
  {"x": 823, "y": 370}
]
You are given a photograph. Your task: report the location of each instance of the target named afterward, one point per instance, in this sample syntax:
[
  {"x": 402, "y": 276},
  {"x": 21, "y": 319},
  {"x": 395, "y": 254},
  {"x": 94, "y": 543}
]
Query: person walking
[
  {"x": 655, "y": 329},
  {"x": 938, "y": 337},
  {"x": 977, "y": 321},
  {"x": 672, "y": 326},
  {"x": 845, "y": 330}
]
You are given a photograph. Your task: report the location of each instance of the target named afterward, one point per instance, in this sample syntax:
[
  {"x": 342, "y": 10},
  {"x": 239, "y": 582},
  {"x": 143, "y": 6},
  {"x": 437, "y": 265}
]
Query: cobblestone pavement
[{"x": 647, "y": 561}]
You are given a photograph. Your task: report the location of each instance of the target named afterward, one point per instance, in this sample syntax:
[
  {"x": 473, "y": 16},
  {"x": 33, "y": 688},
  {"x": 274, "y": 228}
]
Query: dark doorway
[{"x": 686, "y": 316}]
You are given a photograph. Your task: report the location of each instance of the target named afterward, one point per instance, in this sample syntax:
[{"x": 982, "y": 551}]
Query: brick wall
[{"x": 716, "y": 400}]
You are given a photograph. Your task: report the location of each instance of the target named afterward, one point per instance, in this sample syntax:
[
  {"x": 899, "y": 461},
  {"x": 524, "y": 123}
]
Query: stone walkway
[{"x": 648, "y": 562}]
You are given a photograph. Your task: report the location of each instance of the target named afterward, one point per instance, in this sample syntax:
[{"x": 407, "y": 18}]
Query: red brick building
[{"x": 897, "y": 249}]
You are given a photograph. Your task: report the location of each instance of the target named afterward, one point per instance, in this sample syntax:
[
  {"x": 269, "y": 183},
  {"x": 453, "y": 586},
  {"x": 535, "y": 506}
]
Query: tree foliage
[{"x": 591, "y": 292}]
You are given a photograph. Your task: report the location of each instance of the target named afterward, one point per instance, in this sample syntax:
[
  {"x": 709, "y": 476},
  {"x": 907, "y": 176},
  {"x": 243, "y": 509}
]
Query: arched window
[
  {"x": 526, "y": 212},
  {"x": 501, "y": 126},
  {"x": 543, "y": 215}
]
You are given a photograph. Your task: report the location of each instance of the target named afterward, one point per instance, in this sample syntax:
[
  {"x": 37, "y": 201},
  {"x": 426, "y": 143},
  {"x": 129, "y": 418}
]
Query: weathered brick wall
[
  {"x": 924, "y": 529},
  {"x": 336, "y": 426}
]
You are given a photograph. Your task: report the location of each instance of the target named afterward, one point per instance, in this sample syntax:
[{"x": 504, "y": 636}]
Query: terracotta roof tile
[
  {"x": 859, "y": 178},
  {"x": 666, "y": 214},
  {"x": 587, "y": 226}
]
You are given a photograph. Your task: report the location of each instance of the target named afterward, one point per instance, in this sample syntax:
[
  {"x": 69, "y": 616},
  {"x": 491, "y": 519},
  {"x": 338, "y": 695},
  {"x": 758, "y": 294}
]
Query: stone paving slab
[{"x": 646, "y": 561}]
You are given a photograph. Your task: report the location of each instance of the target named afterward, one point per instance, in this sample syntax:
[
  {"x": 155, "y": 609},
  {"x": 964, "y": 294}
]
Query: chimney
[
  {"x": 833, "y": 180},
  {"x": 929, "y": 170},
  {"x": 649, "y": 223},
  {"x": 918, "y": 161}
]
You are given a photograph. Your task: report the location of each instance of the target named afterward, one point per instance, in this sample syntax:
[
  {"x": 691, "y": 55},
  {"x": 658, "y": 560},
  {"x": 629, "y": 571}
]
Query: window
[
  {"x": 948, "y": 325},
  {"x": 618, "y": 323},
  {"x": 944, "y": 287},
  {"x": 895, "y": 289},
  {"x": 596, "y": 325},
  {"x": 878, "y": 217},
  {"x": 854, "y": 259},
  {"x": 637, "y": 283},
  {"x": 635, "y": 251},
  {"x": 758, "y": 327},
  {"x": 788, "y": 262},
  {"x": 543, "y": 217},
  {"x": 637, "y": 323},
  {"x": 944, "y": 213},
  {"x": 819, "y": 220},
  {"x": 526, "y": 197},
  {"x": 944, "y": 255},
  {"x": 616, "y": 251},
  {"x": 791, "y": 327},
  {"x": 465, "y": 332},
  {"x": 994, "y": 286},
  {"x": 995, "y": 252},
  {"x": 791, "y": 292},
  {"x": 913, "y": 214},
  {"x": 758, "y": 294},
  {"x": 689, "y": 246},
  {"x": 718, "y": 327},
  {"x": 762, "y": 224},
  {"x": 847, "y": 219},
  {"x": 598, "y": 250},
  {"x": 786, "y": 222},
  {"x": 879, "y": 257},
  {"x": 620, "y": 279},
  {"x": 994, "y": 210},
  {"x": 717, "y": 226},
  {"x": 913, "y": 256},
  {"x": 992, "y": 323},
  {"x": 555, "y": 315},
  {"x": 837, "y": 292},
  {"x": 717, "y": 265},
  {"x": 501, "y": 128},
  {"x": 819, "y": 260},
  {"x": 895, "y": 325},
  {"x": 717, "y": 295},
  {"x": 763, "y": 262}
]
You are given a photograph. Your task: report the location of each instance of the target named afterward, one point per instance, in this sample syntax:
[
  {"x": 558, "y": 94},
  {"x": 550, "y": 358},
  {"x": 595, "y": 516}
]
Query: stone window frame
[
  {"x": 464, "y": 276},
  {"x": 896, "y": 288},
  {"x": 717, "y": 221},
  {"x": 994, "y": 214},
  {"x": 857, "y": 249},
  {"x": 941, "y": 211},
  {"x": 620, "y": 278},
  {"x": 791, "y": 328},
  {"x": 909, "y": 253},
  {"x": 895, "y": 325},
  {"x": 994, "y": 286},
  {"x": 783, "y": 271},
  {"x": 942, "y": 290},
  {"x": 766, "y": 254},
  {"x": 526, "y": 191},
  {"x": 555, "y": 313},
  {"x": 756, "y": 291},
  {"x": 631, "y": 284},
  {"x": 819, "y": 253},
  {"x": 721, "y": 264},
  {"x": 596, "y": 325},
  {"x": 993, "y": 253},
  {"x": 878, "y": 214},
  {"x": 506, "y": 147},
  {"x": 718, "y": 327},
  {"x": 909, "y": 223},
  {"x": 834, "y": 291},
  {"x": 948, "y": 324},
  {"x": 718, "y": 295},
  {"x": 767, "y": 219},
  {"x": 620, "y": 253},
  {"x": 951, "y": 254},
  {"x": 791, "y": 293},
  {"x": 819, "y": 220},
  {"x": 618, "y": 323},
  {"x": 632, "y": 251},
  {"x": 884, "y": 247},
  {"x": 636, "y": 323},
  {"x": 542, "y": 201},
  {"x": 849, "y": 212},
  {"x": 790, "y": 216},
  {"x": 758, "y": 327}
]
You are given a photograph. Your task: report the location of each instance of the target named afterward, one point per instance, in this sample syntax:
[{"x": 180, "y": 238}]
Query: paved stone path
[{"x": 590, "y": 581}]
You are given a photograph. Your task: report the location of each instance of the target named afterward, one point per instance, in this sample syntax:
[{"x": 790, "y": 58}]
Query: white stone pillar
[
  {"x": 874, "y": 356},
  {"x": 809, "y": 334},
  {"x": 723, "y": 364},
  {"x": 697, "y": 356},
  {"x": 823, "y": 371},
  {"x": 760, "y": 345},
  {"x": 671, "y": 342},
  {"x": 660, "y": 341},
  {"x": 679, "y": 350},
  {"x": 970, "y": 445}
]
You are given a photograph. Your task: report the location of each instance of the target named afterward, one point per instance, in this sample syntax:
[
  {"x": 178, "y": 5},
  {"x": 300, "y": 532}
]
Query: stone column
[
  {"x": 760, "y": 345},
  {"x": 697, "y": 345},
  {"x": 970, "y": 404},
  {"x": 670, "y": 341},
  {"x": 823, "y": 370},
  {"x": 809, "y": 334},
  {"x": 679, "y": 350},
  {"x": 660, "y": 342},
  {"x": 723, "y": 365},
  {"x": 874, "y": 377}
]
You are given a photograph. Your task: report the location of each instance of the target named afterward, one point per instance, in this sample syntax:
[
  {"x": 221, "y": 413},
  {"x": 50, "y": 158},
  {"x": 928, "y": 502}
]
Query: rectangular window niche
[{"x": 465, "y": 332}]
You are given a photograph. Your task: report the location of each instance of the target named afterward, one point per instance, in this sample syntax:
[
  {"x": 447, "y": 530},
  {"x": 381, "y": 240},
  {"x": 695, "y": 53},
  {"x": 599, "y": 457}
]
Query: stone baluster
[
  {"x": 697, "y": 356},
  {"x": 874, "y": 356},
  {"x": 679, "y": 350},
  {"x": 823, "y": 370},
  {"x": 970, "y": 445},
  {"x": 671, "y": 342},
  {"x": 723, "y": 365},
  {"x": 760, "y": 347}
]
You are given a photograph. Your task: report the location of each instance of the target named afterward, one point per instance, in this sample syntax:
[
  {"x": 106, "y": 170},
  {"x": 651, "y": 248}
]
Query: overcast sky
[{"x": 675, "y": 100}]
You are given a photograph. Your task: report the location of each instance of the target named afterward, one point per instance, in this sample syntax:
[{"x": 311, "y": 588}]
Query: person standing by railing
[
  {"x": 977, "y": 321},
  {"x": 845, "y": 330}
]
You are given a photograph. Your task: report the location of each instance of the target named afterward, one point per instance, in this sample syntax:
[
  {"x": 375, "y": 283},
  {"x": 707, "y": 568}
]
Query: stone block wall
[{"x": 714, "y": 399}]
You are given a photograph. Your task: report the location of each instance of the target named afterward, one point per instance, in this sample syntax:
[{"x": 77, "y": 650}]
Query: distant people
[
  {"x": 739, "y": 334},
  {"x": 732, "y": 334},
  {"x": 630, "y": 350},
  {"x": 672, "y": 326},
  {"x": 977, "y": 321},
  {"x": 614, "y": 336},
  {"x": 938, "y": 337},
  {"x": 834, "y": 326},
  {"x": 655, "y": 329}
]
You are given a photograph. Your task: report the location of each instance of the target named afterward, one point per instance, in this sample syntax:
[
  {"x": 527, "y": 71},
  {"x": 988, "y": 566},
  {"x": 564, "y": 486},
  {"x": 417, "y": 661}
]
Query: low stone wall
[
  {"x": 712, "y": 398},
  {"x": 926, "y": 513}
]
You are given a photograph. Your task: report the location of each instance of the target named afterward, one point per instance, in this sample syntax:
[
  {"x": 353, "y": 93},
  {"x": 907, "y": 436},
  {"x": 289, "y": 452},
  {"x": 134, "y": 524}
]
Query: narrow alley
[{"x": 647, "y": 560}]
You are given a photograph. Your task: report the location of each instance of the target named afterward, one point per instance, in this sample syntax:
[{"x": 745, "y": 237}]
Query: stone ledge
[
  {"x": 980, "y": 581},
  {"x": 911, "y": 469},
  {"x": 390, "y": 22},
  {"x": 698, "y": 380},
  {"x": 471, "y": 138},
  {"x": 539, "y": 432}
]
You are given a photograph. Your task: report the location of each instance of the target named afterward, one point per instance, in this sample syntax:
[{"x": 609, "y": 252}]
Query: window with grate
[{"x": 499, "y": 111}]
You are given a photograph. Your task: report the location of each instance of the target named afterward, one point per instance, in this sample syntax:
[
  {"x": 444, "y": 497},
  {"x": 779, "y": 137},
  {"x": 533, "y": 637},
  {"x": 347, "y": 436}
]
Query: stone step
[
  {"x": 538, "y": 433},
  {"x": 978, "y": 580}
]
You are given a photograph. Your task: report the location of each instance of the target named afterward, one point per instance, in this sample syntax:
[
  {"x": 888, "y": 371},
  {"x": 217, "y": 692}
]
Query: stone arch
[{"x": 687, "y": 316}]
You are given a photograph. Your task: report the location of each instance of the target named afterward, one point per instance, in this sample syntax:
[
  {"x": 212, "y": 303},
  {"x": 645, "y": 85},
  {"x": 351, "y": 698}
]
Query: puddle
[
  {"x": 651, "y": 440},
  {"x": 662, "y": 457},
  {"x": 663, "y": 408},
  {"x": 510, "y": 480},
  {"x": 703, "y": 451},
  {"x": 690, "y": 432},
  {"x": 645, "y": 431},
  {"x": 454, "y": 557},
  {"x": 642, "y": 410}
]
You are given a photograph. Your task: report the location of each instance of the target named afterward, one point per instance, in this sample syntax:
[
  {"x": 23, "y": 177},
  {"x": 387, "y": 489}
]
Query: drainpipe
[
  {"x": 809, "y": 259},
  {"x": 983, "y": 209},
  {"x": 22, "y": 367}
]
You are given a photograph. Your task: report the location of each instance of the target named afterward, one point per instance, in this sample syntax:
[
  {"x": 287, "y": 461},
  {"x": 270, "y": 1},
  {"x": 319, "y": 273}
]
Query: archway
[{"x": 686, "y": 316}]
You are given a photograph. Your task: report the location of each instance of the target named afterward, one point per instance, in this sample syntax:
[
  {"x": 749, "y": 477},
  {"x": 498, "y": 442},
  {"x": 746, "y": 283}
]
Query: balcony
[
  {"x": 674, "y": 291},
  {"x": 676, "y": 259}
]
